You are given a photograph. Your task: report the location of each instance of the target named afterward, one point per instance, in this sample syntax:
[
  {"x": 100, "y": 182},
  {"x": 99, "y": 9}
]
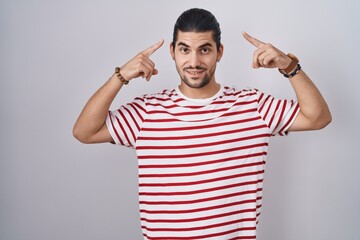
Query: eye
[
  {"x": 184, "y": 50},
  {"x": 205, "y": 50}
]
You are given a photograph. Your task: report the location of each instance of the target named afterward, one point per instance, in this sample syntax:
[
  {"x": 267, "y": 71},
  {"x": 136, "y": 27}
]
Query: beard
[{"x": 199, "y": 83}]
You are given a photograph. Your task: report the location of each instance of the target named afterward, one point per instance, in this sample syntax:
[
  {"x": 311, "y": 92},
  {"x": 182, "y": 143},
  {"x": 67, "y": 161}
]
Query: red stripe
[
  {"x": 133, "y": 118},
  {"x": 200, "y": 227},
  {"x": 128, "y": 126},
  {"x": 166, "y": 98},
  {"x": 182, "y": 113},
  {"x": 123, "y": 130},
  {"x": 224, "y": 115},
  {"x": 203, "y": 126},
  {"x": 199, "y": 191},
  {"x": 205, "y": 135},
  {"x": 205, "y": 163},
  {"x": 268, "y": 109},
  {"x": 200, "y": 181},
  {"x": 290, "y": 119},
  {"x": 201, "y": 172},
  {"x": 264, "y": 102},
  {"x": 260, "y": 96},
  {"x": 139, "y": 99},
  {"x": 243, "y": 238},
  {"x": 173, "y": 93},
  {"x": 204, "y": 144},
  {"x": 274, "y": 114},
  {"x": 163, "y": 120},
  {"x": 235, "y": 92},
  {"x": 200, "y": 209},
  {"x": 172, "y": 106},
  {"x": 203, "y": 153},
  {"x": 137, "y": 108},
  {"x": 239, "y": 93},
  {"x": 226, "y": 196},
  {"x": 116, "y": 133},
  {"x": 239, "y": 112},
  {"x": 202, "y": 236},
  {"x": 281, "y": 114},
  {"x": 199, "y": 218}
]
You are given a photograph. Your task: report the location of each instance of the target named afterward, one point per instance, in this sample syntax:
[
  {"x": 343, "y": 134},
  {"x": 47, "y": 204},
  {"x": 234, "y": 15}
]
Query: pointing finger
[
  {"x": 257, "y": 43},
  {"x": 148, "y": 52}
]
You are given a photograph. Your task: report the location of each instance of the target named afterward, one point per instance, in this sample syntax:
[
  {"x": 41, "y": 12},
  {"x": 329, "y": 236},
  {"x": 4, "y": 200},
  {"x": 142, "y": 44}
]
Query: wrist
[
  {"x": 293, "y": 68},
  {"x": 120, "y": 77}
]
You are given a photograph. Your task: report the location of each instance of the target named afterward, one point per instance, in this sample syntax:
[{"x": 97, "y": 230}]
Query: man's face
[{"x": 195, "y": 56}]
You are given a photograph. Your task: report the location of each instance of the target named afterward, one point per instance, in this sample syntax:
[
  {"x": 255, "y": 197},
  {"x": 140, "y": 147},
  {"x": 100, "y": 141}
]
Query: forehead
[{"x": 195, "y": 39}]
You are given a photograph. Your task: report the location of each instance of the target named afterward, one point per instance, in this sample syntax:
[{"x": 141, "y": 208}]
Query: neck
[{"x": 200, "y": 93}]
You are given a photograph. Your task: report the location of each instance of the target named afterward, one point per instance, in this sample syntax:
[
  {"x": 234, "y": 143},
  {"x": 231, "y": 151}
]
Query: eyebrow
[{"x": 201, "y": 46}]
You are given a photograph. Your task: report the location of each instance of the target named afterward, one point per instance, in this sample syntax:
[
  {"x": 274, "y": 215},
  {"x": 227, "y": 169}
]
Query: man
[{"x": 202, "y": 146}]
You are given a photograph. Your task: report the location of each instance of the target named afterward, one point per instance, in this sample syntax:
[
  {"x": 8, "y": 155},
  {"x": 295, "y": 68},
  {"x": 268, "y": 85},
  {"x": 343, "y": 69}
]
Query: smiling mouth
[{"x": 195, "y": 72}]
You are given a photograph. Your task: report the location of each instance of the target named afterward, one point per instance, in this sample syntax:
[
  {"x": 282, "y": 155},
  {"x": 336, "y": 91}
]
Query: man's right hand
[
  {"x": 90, "y": 126},
  {"x": 141, "y": 65}
]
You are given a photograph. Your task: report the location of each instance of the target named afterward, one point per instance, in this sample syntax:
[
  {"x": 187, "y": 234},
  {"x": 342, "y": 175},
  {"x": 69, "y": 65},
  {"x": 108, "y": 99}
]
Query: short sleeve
[
  {"x": 124, "y": 124},
  {"x": 278, "y": 114}
]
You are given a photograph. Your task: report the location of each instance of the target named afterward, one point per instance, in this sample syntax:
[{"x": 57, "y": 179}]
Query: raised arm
[
  {"x": 314, "y": 113},
  {"x": 90, "y": 126}
]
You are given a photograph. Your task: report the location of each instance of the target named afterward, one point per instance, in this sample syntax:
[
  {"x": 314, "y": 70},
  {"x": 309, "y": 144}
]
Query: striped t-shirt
[{"x": 201, "y": 161}]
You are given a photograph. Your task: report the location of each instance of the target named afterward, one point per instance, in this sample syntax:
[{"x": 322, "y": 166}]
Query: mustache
[{"x": 195, "y": 68}]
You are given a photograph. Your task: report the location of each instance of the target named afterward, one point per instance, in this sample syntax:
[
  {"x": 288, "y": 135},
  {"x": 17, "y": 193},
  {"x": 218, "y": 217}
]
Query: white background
[{"x": 55, "y": 54}]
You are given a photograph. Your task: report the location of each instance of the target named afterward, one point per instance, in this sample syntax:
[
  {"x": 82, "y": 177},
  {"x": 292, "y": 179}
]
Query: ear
[
  {"x": 172, "y": 51},
  {"x": 220, "y": 53}
]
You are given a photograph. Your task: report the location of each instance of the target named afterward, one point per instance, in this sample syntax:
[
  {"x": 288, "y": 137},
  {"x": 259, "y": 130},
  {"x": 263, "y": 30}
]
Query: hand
[
  {"x": 141, "y": 65},
  {"x": 266, "y": 55}
]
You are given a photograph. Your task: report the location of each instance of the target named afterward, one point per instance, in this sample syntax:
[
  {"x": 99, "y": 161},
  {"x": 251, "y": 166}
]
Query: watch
[{"x": 293, "y": 68}]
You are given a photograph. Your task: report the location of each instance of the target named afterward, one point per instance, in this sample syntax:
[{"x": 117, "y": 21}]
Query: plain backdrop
[{"x": 55, "y": 54}]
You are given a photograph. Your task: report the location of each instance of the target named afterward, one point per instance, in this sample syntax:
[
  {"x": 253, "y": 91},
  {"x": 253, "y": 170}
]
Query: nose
[{"x": 194, "y": 60}]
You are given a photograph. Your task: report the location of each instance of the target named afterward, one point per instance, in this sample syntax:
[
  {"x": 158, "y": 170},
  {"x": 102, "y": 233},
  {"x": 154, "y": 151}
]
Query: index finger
[
  {"x": 257, "y": 43},
  {"x": 148, "y": 52}
]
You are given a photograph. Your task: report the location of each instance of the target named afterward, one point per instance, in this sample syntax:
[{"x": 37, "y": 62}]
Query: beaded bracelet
[{"x": 120, "y": 77}]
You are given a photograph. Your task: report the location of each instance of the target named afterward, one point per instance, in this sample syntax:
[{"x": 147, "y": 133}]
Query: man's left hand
[{"x": 266, "y": 55}]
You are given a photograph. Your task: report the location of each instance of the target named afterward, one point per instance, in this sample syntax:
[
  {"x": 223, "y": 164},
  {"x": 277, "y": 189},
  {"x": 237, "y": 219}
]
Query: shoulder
[
  {"x": 162, "y": 95},
  {"x": 157, "y": 98},
  {"x": 240, "y": 93}
]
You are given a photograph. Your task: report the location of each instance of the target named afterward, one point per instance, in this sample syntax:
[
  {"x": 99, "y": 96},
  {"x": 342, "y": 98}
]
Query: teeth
[{"x": 195, "y": 73}]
